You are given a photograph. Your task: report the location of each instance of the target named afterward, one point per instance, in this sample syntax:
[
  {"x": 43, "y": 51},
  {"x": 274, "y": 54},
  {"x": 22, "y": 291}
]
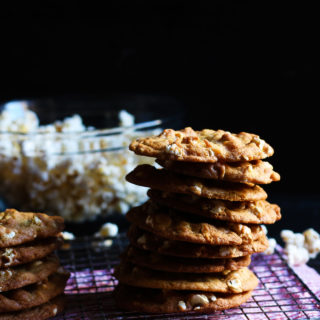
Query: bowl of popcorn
[{"x": 66, "y": 166}]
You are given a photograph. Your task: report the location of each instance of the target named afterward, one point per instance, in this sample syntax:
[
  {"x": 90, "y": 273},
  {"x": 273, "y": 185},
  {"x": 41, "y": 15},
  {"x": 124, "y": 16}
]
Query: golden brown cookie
[
  {"x": 42, "y": 312},
  {"x": 156, "y": 261},
  {"x": 28, "y": 252},
  {"x": 164, "y": 180},
  {"x": 177, "y": 226},
  {"x": 255, "y": 171},
  {"x": 23, "y": 275},
  {"x": 20, "y": 227},
  {"x": 170, "y": 301},
  {"x": 256, "y": 212},
  {"x": 228, "y": 282},
  {"x": 35, "y": 294},
  {"x": 148, "y": 241},
  {"x": 203, "y": 146}
]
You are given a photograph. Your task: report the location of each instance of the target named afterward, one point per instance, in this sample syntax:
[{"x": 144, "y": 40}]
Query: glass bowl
[{"x": 74, "y": 168}]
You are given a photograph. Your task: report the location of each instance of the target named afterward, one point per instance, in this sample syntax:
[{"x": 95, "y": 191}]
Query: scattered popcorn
[
  {"x": 264, "y": 229},
  {"x": 67, "y": 235},
  {"x": 312, "y": 242},
  {"x": 63, "y": 168},
  {"x": 296, "y": 255},
  {"x": 126, "y": 119},
  {"x": 300, "y": 247},
  {"x": 108, "y": 230},
  {"x": 272, "y": 246},
  {"x": 289, "y": 237},
  {"x": 101, "y": 245},
  {"x": 182, "y": 305}
]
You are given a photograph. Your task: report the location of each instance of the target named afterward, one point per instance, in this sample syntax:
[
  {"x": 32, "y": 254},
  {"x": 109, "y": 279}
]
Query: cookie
[
  {"x": 23, "y": 275},
  {"x": 257, "y": 212},
  {"x": 148, "y": 241},
  {"x": 164, "y": 180},
  {"x": 35, "y": 294},
  {"x": 228, "y": 282},
  {"x": 176, "y": 226},
  {"x": 42, "y": 312},
  {"x": 161, "y": 262},
  {"x": 170, "y": 301},
  {"x": 203, "y": 146},
  {"x": 20, "y": 227},
  {"x": 256, "y": 171},
  {"x": 28, "y": 252}
]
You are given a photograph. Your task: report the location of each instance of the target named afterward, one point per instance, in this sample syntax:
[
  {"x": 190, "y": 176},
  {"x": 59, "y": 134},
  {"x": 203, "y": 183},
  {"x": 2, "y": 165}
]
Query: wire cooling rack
[{"x": 281, "y": 294}]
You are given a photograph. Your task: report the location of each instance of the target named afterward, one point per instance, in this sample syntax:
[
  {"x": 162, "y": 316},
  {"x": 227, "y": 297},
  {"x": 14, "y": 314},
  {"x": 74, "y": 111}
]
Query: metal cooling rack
[{"x": 281, "y": 294}]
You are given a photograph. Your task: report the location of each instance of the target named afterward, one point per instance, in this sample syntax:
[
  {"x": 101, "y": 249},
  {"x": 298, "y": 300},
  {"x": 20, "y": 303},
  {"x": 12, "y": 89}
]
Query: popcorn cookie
[
  {"x": 35, "y": 294},
  {"x": 172, "y": 225},
  {"x": 164, "y": 180},
  {"x": 203, "y": 146},
  {"x": 257, "y": 212},
  {"x": 20, "y": 227},
  {"x": 170, "y": 301},
  {"x": 228, "y": 282},
  {"x": 42, "y": 312},
  {"x": 28, "y": 252},
  {"x": 161, "y": 262},
  {"x": 256, "y": 171},
  {"x": 148, "y": 241},
  {"x": 21, "y": 276}
]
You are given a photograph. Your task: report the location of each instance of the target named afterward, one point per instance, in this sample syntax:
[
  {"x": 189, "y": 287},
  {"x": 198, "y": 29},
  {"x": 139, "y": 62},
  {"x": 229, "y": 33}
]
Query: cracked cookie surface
[
  {"x": 13, "y": 256},
  {"x": 23, "y": 275},
  {"x": 156, "y": 261},
  {"x": 228, "y": 282},
  {"x": 256, "y": 172},
  {"x": 19, "y": 227},
  {"x": 203, "y": 146},
  {"x": 148, "y": 241},
  {"x": 160, "y": 301},
  {"x": 165, "y": 180},
  {"x": 255, "y": 212},
  {"x": 34, "y": 294},
  {"x": 41, "y": 312},
  {"x": 172, "y": 225}
]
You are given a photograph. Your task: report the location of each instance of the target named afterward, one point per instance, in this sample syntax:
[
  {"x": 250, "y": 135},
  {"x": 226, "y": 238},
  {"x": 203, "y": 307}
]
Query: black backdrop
[{"x": 237, "y": 65}]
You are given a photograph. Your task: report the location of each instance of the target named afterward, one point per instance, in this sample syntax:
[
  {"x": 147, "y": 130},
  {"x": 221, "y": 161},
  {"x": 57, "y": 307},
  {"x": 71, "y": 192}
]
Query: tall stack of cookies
[
  {"x": 31, "y": 279},
  {"x": 191, "y": 242}
]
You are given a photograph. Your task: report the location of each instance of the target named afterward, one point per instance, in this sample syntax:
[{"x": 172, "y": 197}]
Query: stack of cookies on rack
[
  {"x": 191, "y": 242},
  {"x": 31, "y": 279}
]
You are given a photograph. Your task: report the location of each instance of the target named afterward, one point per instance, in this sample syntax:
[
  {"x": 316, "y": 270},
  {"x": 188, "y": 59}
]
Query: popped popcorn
[
  {"x": 108, "y": 230},
  {"x": 300, "y": 247},
  {"x": 272, "y": 245},
  {"x": 296, "y": 255},
  {"x": 67, "y": 235},
  {"x": 66, "y": 168}
]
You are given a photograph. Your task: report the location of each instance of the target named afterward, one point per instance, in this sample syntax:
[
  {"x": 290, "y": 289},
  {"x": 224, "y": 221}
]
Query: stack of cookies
[
  {"x": 31, "y": 279},
  {"x": 191, "y": 242}
]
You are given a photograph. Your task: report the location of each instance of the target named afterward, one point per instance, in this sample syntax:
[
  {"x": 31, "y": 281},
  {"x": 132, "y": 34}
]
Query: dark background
[{"x": 234, "y": 65}]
